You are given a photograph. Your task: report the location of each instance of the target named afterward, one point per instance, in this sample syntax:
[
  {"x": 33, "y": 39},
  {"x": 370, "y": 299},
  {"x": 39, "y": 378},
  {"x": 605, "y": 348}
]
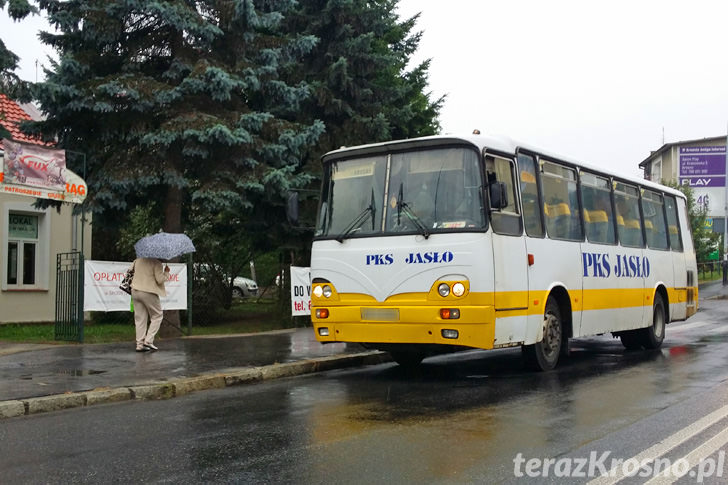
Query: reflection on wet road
[{"x": 459, "y": 419}]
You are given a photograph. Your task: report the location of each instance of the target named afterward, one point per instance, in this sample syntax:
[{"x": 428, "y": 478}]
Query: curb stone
[
  {"x": 10, "y": 409},
  {"x": 192, "y": 384},
  {"x": 54, "y": 403},
  {"x": 102, "y": 396},
  {"x": 153, "y": 391},
  {"x": 183, "y": 386}
]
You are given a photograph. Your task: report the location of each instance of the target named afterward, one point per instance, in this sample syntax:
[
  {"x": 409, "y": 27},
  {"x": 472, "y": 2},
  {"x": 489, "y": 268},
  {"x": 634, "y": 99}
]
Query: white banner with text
[
  {"x": 101, "y": 287},
  {"x": 300, "y": 291}
]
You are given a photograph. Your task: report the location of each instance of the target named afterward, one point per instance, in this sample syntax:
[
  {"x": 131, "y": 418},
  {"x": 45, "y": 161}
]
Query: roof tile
[{"x": 11, "y": 115}]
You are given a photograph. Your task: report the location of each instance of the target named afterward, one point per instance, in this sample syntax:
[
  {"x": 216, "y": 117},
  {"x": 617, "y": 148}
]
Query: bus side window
[
  {"x": 505, "y": 220},
  {"x": 629, "y": 220},
  {"x": 530, "y": 201},
  {"x": 673, "y": 227},
  {"x": 598, "y": 216},
  {"x": 654, "y": 213},
  {"x": 561, "y": 204}
]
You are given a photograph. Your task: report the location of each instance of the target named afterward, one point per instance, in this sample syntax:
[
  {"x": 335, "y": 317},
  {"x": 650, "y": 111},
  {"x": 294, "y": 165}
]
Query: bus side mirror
[
  {"x": 292, "y": 208},
  {"x": 498, "y": 195}
]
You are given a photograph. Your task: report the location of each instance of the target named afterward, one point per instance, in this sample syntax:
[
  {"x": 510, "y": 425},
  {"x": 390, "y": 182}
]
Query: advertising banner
[
  {"x": 300, "y": 291},
  {"x": 36, "y": 171},
  {"x": 101, "y": 287},
  {"x": 703, "y": 168}
]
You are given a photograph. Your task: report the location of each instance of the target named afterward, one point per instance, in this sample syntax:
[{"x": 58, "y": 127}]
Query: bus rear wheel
[
  {"x": 544, "y": 355},
  {"x": 653, "y": 335}
]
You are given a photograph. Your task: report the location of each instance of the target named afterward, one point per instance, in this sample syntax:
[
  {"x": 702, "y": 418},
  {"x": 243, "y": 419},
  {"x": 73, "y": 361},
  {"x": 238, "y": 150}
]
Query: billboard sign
[
  {"x": 703, "y": 168},
  {"x": 37, "y": 171}
]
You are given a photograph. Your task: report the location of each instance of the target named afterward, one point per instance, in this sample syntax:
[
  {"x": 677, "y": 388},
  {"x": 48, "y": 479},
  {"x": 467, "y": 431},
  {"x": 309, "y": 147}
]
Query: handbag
[{"x": 125, "y": 285}]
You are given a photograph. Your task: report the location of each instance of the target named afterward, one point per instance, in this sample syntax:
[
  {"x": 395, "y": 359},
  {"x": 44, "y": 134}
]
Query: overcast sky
[{"x": 593, "y": 80}]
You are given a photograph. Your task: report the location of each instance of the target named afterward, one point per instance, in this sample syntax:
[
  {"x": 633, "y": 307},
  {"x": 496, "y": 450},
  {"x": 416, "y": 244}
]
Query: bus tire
[
  {"x": 631, "y": 339},
  {"x": 408, "y": 360},
  {"x": 653, "y": 335},
  {"x": 544, "y": 355}
]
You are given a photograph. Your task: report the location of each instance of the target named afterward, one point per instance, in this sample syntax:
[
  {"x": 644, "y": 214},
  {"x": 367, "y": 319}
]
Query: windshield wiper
[
  {"x": 402, "y": 206},
  {"x": 357, "y": 222}
]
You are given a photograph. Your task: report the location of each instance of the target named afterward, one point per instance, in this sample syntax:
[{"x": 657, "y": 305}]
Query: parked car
[{"x": 244, "y": 287}]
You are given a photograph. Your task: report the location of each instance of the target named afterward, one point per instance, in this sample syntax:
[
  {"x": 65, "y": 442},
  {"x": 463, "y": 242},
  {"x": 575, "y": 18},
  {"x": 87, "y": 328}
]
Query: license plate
[{"x": 380, "y": 314}]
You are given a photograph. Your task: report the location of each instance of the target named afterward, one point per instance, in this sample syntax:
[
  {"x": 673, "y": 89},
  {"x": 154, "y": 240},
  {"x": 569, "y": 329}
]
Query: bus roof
[{"x": 496, "y": 143}]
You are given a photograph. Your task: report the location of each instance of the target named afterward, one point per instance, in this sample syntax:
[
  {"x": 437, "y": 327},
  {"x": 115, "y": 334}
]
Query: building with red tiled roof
[
  {"x": 11, "y": 115},
  {"x": 31, "y": 238}
]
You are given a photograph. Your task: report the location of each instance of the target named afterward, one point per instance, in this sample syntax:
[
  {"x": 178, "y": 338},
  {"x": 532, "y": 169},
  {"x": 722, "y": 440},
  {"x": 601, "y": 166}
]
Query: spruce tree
[
  {"x": 178, "y": 101},
  {"x": 362, "y": 88},
  {"x": 10, "y": 83}
]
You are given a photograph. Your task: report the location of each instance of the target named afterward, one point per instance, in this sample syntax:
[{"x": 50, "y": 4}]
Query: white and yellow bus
[{"x": 439, "y": 243}]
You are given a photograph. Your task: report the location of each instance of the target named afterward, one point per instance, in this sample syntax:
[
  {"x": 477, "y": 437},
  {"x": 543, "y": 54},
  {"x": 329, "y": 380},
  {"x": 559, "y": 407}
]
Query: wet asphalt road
[{"x": 461, "y": 419}]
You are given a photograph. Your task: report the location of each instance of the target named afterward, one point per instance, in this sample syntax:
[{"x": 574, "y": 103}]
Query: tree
[
  {"x": 10, "y": 83},
  {"x": 177, "y": 102},
  {"x": 358, "y": 71},
  {"x": 704, "y": 239}
]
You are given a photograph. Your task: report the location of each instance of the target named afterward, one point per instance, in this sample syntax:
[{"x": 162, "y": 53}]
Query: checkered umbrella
[{"x": 164, "y": 245}]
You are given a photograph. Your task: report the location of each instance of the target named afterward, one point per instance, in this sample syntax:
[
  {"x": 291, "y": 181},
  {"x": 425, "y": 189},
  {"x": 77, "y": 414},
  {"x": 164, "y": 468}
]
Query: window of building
[
  {"x": 25, "y": 244},
  {"x": 22, "y": 249},
  {"x": 656, "y": 174},
  {"x": 561, "y": 202}
]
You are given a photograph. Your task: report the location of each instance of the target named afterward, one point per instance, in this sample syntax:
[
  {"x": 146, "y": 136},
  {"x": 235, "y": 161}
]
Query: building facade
[
  {"x": 699, "y": 163},
  {"x": 30, "y": 240}
]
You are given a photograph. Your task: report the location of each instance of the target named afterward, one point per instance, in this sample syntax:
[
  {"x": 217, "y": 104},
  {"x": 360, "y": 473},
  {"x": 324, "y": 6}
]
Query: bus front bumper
[{"x": 475, "y": 326}]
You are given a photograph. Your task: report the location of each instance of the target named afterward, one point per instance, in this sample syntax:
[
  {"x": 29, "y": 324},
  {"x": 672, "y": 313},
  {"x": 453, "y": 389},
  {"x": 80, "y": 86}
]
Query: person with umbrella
[{"x": 147, "y": 285}]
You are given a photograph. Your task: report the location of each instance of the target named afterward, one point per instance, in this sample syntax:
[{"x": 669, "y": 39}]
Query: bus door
[
  {"x": 509, "y": 246},
  {"x": 678, "y": 306}
]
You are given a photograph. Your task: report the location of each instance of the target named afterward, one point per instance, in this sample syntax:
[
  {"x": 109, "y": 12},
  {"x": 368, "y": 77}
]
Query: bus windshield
[{"x": 425, "y": 191}]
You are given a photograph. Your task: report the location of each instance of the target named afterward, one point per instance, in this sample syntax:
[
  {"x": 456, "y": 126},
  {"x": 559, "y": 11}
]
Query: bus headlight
[
  {"x": 317, "y": 291},
  {"x": 443, "y": 289},
  {"x": 327, "y": 291},
  {"x": 458, "y": 289}
]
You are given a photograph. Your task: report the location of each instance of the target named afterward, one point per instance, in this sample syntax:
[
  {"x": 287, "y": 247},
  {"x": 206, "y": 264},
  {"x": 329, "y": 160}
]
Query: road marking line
[
  {"x": 616, "y": 474},
  {"x": 694, "y": 458}
]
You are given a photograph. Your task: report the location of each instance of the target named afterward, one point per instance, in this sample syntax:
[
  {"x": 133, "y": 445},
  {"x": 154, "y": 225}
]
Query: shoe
[
  {"x": 151, "y": 347},
  {"x": 143, "y": 349}
]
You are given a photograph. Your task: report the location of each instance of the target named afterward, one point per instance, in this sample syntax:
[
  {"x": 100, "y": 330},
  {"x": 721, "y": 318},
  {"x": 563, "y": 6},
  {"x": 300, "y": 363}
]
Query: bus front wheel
[
  {"x": 407, "y": 359},
  {"x": 544, "y": 355}
]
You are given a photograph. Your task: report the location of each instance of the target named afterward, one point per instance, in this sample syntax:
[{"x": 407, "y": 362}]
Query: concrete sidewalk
[{"x": 40, "y": 378}]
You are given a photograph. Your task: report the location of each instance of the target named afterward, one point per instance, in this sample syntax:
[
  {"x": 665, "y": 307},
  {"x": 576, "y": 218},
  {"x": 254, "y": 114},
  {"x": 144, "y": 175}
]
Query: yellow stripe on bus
[{"x": 514, "y": 303}]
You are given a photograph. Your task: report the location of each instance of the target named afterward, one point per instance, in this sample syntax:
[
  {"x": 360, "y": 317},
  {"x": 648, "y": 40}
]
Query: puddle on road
[
  {"x": 65, "y": 372},
  {"x": 79, "y": 372}
]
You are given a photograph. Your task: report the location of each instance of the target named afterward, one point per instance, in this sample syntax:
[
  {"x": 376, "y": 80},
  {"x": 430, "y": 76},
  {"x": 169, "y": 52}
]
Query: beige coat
[{"x": 149, "y": 276}]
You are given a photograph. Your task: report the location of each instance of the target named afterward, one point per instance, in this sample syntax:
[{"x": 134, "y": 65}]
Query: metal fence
[
  {"x": 710, "y": 270},
  {"x": 69, "y": 296}
]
